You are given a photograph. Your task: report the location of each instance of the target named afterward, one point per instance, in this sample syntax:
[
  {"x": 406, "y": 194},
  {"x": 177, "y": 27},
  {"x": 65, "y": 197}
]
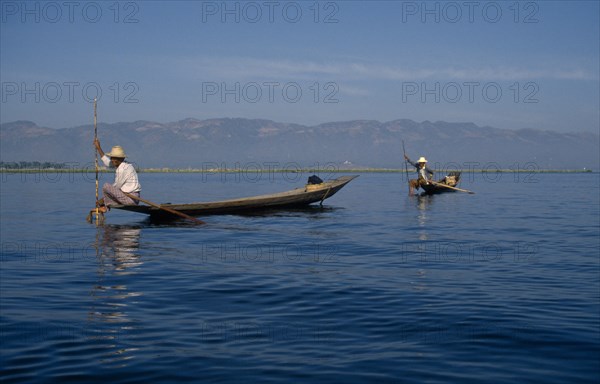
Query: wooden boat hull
[
  {"x": 295, "y": 198},
  {"x": 451, "y": 180}
]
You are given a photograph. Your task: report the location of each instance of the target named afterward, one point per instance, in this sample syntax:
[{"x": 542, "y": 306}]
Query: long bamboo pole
[
  {"x": 406, "y": 167},
  {"x": 96, "y": 157}
]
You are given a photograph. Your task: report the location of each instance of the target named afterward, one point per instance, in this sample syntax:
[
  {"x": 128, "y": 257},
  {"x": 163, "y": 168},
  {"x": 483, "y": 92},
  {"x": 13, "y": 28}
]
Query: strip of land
[{"x": 283, "y": 170}]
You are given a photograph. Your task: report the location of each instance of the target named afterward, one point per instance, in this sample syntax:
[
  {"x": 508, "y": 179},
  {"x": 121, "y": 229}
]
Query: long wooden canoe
[{"x": 298, "y": 197}]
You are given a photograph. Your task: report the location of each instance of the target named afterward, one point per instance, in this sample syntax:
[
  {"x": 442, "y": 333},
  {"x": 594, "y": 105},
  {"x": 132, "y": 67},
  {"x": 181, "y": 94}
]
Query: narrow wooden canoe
[
  {"x": 451, "y": 180},
  {"x": 295, "y": 198}
]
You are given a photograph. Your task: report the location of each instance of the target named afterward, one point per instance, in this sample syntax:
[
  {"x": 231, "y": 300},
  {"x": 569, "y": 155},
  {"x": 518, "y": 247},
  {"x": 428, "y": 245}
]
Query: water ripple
[{"x": 501, "y": 286}]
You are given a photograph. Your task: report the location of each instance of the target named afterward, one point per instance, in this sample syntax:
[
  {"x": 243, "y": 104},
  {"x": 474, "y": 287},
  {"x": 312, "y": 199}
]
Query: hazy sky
[{"x": 507, "y": 64}]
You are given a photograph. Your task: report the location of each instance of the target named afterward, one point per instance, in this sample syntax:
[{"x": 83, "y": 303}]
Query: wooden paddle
[
  {"x": 181, "y": 214},
  {"x": 449, "y": 187}
]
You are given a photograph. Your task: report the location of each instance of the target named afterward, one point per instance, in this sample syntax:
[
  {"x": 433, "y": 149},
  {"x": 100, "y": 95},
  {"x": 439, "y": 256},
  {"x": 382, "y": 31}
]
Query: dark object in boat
[{"x": 442, "y": 185}]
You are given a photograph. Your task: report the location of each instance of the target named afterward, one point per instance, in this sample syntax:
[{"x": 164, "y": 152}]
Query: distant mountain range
[{"x": 231, "y": 142}]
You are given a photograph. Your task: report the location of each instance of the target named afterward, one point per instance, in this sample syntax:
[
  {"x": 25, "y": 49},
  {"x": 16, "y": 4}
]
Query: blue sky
[{"x": 528, "y": 64}]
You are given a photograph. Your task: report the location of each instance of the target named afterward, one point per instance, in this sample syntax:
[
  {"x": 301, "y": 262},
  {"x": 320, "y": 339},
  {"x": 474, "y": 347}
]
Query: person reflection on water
[
  {"x": 126, "y": 180},
  {"x": 424, "y": 174}
]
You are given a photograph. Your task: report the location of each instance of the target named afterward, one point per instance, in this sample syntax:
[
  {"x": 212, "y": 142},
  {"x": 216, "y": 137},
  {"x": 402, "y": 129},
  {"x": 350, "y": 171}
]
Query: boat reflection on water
[
  {"x": 110, "y": 326},
  {"x": 423, "y": 205}
]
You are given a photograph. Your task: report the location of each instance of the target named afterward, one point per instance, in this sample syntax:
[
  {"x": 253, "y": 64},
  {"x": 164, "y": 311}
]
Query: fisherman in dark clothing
[{"x": 425, "y": 174}]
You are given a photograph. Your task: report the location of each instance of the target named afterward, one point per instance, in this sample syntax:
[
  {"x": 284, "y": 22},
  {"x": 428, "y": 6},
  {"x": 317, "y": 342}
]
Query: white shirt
[
  {"x": 126, "y": 178},
  {"x": 423, "y": 173}
]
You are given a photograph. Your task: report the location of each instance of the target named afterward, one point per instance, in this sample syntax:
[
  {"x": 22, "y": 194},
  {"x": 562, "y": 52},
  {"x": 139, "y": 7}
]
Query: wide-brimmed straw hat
[
  {"x": 422, "y": 160},
  {"x": 117, "y": 151}
]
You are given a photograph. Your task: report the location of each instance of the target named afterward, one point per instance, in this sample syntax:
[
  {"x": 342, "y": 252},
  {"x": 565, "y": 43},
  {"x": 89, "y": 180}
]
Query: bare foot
[{"x": 101, "y": 210}]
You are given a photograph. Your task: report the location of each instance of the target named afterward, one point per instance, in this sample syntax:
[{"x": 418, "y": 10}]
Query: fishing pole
[
  {"x": 406, "y": 166},
  {"x": 96, "y": 157}
]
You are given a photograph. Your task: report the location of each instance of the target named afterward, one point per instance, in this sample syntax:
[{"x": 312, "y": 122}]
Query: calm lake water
[{"x": 501, "y": 286}]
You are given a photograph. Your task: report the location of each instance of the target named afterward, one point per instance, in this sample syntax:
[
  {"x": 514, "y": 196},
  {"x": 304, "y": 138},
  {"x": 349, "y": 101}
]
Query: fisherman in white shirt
[
  {"x": 424, "y": 174},
  {"x": 126, "y": 179}
]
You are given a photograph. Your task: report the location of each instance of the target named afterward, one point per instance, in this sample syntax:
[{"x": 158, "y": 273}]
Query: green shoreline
[{"x": 300, "y": 170}]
